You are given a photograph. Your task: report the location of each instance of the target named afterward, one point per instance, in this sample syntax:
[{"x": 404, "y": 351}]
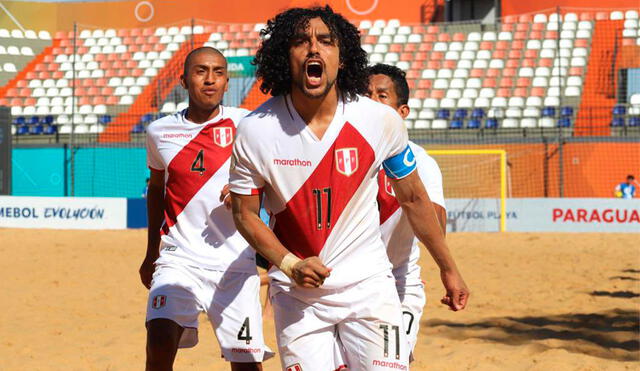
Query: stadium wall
[
  {"x": 464, "y": 215},
  {"x": 545, "y": 215},
  {"x": 130, "y": 14},
  {"x": 98, "y": 171},
  {"x": 516, "y": 7},
  {"x": 587, "y": 169}
]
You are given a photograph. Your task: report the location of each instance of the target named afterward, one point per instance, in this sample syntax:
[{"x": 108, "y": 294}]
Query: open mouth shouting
[{"x": 314, "y": 69}]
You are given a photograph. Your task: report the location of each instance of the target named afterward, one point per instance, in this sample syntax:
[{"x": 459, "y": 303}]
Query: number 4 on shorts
[{"x": 245, "y": 332}]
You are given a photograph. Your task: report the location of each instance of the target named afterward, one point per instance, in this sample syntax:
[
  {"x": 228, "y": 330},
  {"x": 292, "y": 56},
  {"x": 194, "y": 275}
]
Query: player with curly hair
[{"x": 313, "y": 152}]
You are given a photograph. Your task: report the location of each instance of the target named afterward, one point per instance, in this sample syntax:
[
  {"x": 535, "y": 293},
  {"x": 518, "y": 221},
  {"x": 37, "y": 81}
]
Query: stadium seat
[
  {"x": 474, "y": 124},
  {"x": 566, "y": 111},
  {"x": 477, "y": 113},
  {"x": 491, "y": 123},
  {"x": 460, "y": 114},
  {"x": 439, "y": 124},
  {"x": 443, "y": 114},
  {"x": 528, "y": 123},
  {"x": 22, "y": 130},
  {"x": 618, "y": 122},
  {"x": 456, "y": 124},
  {"x": 496, "y": 112},
  {"x": 564, "y": 122},
  {"x": 482, "y": 102},
  {"x": 634, "y": 121},
  {"x": 427, "y": 114},
  {"x": 50, "y": 129},
  {"x": 513, "y": 112},
  {"x": 510, "y": 123},
  {"x": 37, "y": 129},
  {"x": 137, "y": 129},
  {"x": 531, "y": 112},
  {"x": 619, "y": 110}
]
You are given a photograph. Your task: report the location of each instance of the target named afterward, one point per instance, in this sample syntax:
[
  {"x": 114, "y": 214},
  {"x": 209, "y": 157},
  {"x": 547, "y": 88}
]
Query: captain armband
[{"x": 400, "y": 165}]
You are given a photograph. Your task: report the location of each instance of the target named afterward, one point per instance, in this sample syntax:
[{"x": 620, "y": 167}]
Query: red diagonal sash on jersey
[
  {"x": 183, "y": 183},
  {"x": 386, "y": 199},
  {"x": 297, "y": 226}
]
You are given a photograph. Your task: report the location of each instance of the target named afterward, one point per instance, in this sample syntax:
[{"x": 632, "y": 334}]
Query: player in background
[
  {"x": 196, "y": 260},
  {"x": 388, "y": 85},
  {"x": 313, "y": 151},
  {"x": 626, "y": 189}
]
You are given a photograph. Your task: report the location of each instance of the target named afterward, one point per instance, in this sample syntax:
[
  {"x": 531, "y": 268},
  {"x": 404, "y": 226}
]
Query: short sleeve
[
  {"x": 398, "y": 160},
  {"x": 244, "y": 176},
  {"x": 154, "y": 160},
  {"x": 396, "y": 137},
  {"x": 431, "y": 177}
]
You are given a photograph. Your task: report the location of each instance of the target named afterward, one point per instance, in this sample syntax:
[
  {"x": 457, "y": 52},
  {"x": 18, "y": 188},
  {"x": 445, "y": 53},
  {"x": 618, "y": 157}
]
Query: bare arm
[
  {"x": 441, "y": 213},
  {"x": 309, "y": 272},
  {"x": 415, "y": 203},
  {"x": 155, "y": 214}
]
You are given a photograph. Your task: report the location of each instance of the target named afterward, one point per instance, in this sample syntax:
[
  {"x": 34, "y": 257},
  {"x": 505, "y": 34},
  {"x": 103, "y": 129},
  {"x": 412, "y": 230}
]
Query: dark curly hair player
[
  {"x": 312, "y": 153},
  {"x": 273, "y": 60}
]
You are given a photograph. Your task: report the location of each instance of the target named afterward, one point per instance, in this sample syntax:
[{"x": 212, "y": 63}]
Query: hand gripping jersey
[
  {"x": 321, "y": 192},
  {"x": 397, "y": 234},
  {"x": 198, "y": 230}
]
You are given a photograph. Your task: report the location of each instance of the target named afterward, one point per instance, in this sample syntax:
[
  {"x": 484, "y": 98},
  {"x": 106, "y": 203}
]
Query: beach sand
[{"x": 72, "y": 300}]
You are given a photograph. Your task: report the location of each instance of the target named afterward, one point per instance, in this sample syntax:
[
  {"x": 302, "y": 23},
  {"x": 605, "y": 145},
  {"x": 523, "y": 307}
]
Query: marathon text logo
[
  {"x": 177, "y": 135},
  {"x": 294, "y": 162},
  {"x": 52, "y": 213},
  {"x": 595, "y": 215},
  {"x": 391, "y": 365},
  {"x": 246, "y": 350}
]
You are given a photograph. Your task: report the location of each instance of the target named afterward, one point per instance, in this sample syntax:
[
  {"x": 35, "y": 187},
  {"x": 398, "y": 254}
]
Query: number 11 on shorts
[{"x": 385, "y": 329}]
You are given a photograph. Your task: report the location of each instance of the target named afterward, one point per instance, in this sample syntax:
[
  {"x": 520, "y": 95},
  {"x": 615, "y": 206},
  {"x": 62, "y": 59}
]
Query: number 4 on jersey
[
  {"x": 245, "y": 332},
  {"x": 198, "y": 163}
]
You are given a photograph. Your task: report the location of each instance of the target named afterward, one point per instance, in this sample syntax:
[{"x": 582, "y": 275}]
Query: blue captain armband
[{"x": 400, "y": 165}]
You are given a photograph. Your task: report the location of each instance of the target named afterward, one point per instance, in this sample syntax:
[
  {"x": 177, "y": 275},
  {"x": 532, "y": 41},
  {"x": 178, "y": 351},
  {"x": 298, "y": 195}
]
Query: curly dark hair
[
  {"x": 272, "y": 58},
  {"x": 399, "y": 78}
]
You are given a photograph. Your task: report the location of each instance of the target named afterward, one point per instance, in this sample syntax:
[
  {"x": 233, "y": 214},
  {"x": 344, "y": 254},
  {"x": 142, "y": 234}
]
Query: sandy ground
[{"x": 71, "y": 300}]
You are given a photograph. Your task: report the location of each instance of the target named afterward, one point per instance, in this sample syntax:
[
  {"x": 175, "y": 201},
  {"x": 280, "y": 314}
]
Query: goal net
[{"x": 475, "y": 188}]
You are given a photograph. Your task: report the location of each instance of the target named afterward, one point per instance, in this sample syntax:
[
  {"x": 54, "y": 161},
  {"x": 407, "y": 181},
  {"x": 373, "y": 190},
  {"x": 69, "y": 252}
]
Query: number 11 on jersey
[{"x": 319, "y": 193}]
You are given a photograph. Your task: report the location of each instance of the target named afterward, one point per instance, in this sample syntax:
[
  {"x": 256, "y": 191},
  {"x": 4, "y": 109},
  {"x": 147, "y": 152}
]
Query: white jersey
[
  {"x": 198, "y": 230},
  {"x": 397, "y": 234},
  {"x": 321, "y": 192}
]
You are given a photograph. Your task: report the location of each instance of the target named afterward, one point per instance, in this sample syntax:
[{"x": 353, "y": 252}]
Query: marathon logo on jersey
[
  {"x": 387, "y": 186},
  {"x": 295, "y": 367},
  {"x": 347, "y": 160},
  {"x": 159, "y": 301},
  {"x": 222, "y": 136}
]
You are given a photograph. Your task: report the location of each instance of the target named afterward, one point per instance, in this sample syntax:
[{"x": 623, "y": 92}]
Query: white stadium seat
[
  {"x": 439, "y": 124},
  {"x": 423, "y": 124},
  {"x": 528, "y": 123},
  {"x": 510, "y": 123}
]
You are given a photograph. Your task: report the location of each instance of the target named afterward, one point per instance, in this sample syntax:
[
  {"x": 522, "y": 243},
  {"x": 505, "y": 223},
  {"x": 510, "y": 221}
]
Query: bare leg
[
  {"x": 255, "y": 366},
  {"x": 163, "y": 337}
]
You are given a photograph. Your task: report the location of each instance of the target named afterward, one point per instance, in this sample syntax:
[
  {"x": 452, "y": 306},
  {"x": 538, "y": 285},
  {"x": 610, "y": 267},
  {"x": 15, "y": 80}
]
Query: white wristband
[{"x": 287, "y": 263}]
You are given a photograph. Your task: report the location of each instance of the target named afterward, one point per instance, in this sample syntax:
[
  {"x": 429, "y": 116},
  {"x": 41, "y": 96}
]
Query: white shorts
[
  {"x": 363, "y": 320},
  {"x": 413, "y": 300},
  {"x": 230, "y": 299}
]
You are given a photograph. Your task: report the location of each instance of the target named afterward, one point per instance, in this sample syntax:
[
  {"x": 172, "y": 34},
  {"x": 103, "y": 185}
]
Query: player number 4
[
  {"x": 318, "y": 194},
  {"x": 385, "y": 330},
  {"x": 198, "y": 163},
  {"x": 245, "y": 332}
]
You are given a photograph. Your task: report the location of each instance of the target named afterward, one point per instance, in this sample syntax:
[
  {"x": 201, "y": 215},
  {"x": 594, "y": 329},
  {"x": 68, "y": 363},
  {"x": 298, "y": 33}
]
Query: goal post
[{"x": 444, "y": 157}]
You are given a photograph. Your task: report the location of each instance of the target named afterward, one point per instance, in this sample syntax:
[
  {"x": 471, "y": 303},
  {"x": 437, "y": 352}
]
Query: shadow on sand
[{"x": 611, "y": 334}]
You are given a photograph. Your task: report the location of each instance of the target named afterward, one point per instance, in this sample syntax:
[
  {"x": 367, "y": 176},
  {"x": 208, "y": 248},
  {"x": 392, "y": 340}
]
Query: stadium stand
[{"x": 535, "y": 71}]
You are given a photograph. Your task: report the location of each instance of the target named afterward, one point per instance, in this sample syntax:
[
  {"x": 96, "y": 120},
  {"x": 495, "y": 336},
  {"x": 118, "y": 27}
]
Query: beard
[{"x": 313, "y": 95}]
